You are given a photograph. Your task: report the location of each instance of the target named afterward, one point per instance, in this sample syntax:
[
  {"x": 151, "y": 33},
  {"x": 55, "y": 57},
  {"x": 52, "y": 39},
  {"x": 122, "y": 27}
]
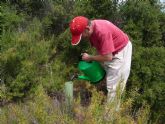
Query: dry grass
[{"x": 45, "y": 110}]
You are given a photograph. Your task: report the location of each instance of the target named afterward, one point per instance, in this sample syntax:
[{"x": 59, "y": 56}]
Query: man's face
[{"x": 87, "y": 33}]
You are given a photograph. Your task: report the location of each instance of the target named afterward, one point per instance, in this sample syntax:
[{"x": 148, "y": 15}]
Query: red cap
[{"x": 77, "y": 26}]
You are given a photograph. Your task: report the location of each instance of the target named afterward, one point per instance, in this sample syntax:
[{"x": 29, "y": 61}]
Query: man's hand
[{"x": 86, "y": 57}]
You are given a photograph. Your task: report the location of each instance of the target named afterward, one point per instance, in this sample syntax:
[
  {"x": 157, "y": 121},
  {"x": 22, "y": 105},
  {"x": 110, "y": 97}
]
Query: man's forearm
[{"x": 101, "y": 58}]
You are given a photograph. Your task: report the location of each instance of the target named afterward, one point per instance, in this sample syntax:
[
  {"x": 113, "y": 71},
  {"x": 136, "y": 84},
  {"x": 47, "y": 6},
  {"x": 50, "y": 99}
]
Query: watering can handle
[{"x": 83, "y": 77}]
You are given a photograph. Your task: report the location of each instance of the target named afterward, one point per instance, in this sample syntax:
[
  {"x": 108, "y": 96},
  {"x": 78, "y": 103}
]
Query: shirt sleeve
[{"x": 106, "y": 45}]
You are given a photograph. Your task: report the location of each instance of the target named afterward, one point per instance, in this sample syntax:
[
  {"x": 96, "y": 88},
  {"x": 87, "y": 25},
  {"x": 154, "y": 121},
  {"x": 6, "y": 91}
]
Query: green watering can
[{"x": 92, "y": 71}]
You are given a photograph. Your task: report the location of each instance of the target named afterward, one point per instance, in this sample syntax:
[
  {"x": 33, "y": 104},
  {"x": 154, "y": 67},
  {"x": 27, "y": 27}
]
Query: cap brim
[{"x": 76, "y": 39}]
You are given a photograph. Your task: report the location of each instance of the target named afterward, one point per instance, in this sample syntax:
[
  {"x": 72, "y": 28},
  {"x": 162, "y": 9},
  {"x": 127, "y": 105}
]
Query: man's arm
[{"x": 100, "y": 58}]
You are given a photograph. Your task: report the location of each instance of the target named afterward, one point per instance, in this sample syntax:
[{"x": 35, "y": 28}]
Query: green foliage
[
  {"x": 135, "y": 32},
  {"x": 9, "y": 17},
  {"x": 145, "y": 19},
  {"x": 162, "y": 25},
  {"x": 54, "y": 76},
  {"x": 23, "y": 53},
  {"x": 69, "y": 54},
  {"x": 107, "y": 9},
  {"x": 24, "y": 81},
  {"x": 148, "y": 75}
]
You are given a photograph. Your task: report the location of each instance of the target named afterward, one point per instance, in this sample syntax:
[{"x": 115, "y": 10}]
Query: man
[{"x": 113, "y": 47}]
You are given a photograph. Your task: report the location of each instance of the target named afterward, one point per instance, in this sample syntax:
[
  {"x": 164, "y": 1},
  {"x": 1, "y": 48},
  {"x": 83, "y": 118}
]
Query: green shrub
[{"x": 147, "y": 75}]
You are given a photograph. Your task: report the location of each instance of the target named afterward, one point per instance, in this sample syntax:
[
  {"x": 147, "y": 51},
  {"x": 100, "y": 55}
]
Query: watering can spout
[{"x": 83, "y": 77}]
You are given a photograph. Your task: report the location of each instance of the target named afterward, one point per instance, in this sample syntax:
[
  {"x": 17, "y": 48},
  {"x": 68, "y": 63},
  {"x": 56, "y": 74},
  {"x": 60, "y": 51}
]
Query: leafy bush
[
  {"x": 147, "y": 75},
  {"x": 142, "y": 22}
]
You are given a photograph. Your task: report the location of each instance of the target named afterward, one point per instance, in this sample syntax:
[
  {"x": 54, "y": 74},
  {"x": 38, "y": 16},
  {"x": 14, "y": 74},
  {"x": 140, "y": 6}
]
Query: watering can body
[{"x": 92, "y": 71}]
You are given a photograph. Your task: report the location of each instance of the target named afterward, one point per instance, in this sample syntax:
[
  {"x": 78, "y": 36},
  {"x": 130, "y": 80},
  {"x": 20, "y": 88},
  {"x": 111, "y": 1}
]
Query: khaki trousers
[{"x": 117, "y": 71}]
